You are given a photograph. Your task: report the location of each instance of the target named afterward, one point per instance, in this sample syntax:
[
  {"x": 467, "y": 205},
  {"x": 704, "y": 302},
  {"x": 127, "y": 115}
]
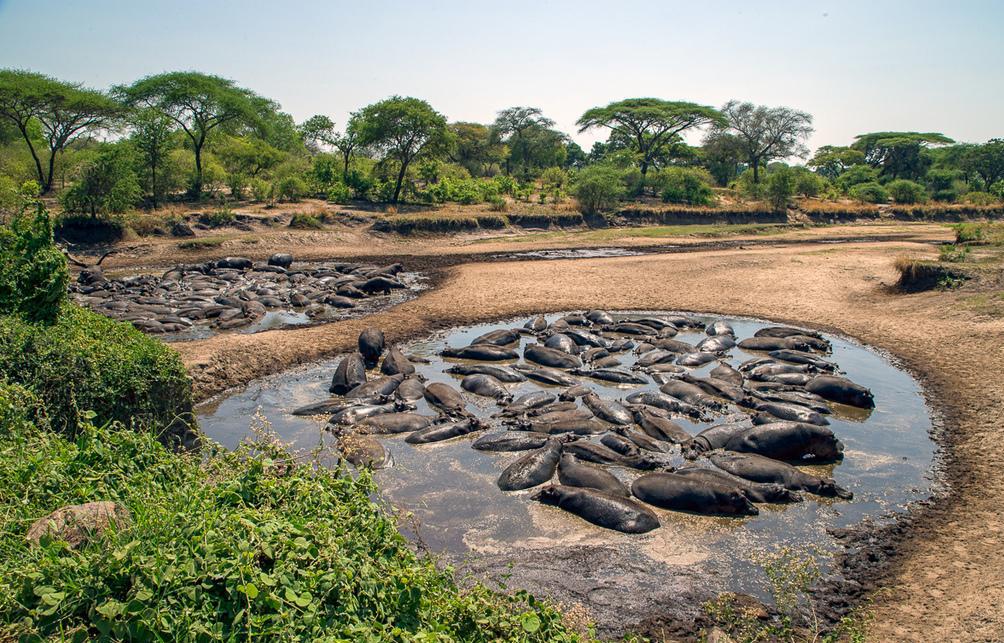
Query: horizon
[{"x": 891, "y": 85}]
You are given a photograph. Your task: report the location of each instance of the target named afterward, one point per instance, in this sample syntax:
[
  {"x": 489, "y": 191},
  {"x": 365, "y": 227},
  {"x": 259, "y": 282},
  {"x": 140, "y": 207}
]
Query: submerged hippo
[
  {"x": 547, "y": 376},
  {"x": 790, "y": 441},
  {"x": 538, "y": 324},
  {"x": 501, "y": 337},
  {"x": 350, "y": 373},
  {"x": 510, "y": 441},
  {"x": 445, "y": 398},
  {"x": 486, "y": 352},
  {"x": 717, "y": 344},
  {"x": 611, "y": 374},
  {"x": 356, "y": 414},
  {"x": 620, "y": 444},
  {"x": 771, "y": 412},
  {"x": 403, "y": 422},
  {"x": 573, "y": 473},
  {"x": 534, "y": 468},
  {"x": 550, "y": 357},
  {"x": 641, "y": 439},
  {"x": 371, "y": 344},
  {"x": 841, "y": 390},
  {"x": 687, "y": 493},
  {"x": 380, "y": 386},
  {"x": 600, "y": 508},
  {"x": 607, "y": 410},
  {"x": 719, "y": 328},
  {"x": 760, "y": 469},
  {"x": 527, "y": 402},
  {"x": 659, "y": 426},
  {"x": 801, "y": 357},
  {"x": 755, "y": 491},
  {"x": 410, "y": 389},
  {"x": 665, "y": 402},
  {"x": 395, "y": 363},
  {"x": 446, "y": 431},
  {"x": 563, "y": 343},
  {"x": 726, "y": 373},
  {"x": 690, "y": 393},
  {"x": 600, "y": 454},
  {"x": 363, "y": 451},
  {"x": 501, "y": 373}
]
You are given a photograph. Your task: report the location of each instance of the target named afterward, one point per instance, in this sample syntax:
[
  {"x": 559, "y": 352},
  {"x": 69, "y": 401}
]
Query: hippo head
[
  {"x": 829, "y": 488},
  {"x": 742, "y": 504},
  {"x": 548, "y": 495}
]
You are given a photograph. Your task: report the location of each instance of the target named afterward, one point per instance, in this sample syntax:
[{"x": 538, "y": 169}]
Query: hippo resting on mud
[
  {"x": 841, "y": 390},
  {"x": 534, "y": 468},
  {"x": 755, "y": 491},
  {"x": 600, "y": 508},
  {"x": 788, "y": 441},
  {"x": 760, "y": 469},
  {"x": 692, "y": 494}
]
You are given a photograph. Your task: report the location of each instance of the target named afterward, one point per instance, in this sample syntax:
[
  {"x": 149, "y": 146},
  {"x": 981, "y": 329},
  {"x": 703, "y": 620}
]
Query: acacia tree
[
  {"x": 986, "y": 160},
  {"x": 63, "y": 112},
  {"x": 766, "y": 134},
  {"x": 198, "y": 104},
  {"x": 513, "y": 126},
  {"x": 401, "y": 129},
  {"x": 475, "y": 148},
  {"x": 899, "y": 154},
  {"x": 321, "y": 129},
  {"x": 650, "y": 124},
  {"x": 153, "y": 137},
  {"x": 833, "y": 160}
]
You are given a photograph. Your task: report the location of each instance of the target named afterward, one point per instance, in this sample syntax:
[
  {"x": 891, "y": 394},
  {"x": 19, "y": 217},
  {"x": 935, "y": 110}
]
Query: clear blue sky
[{"x": 856, "y": 66}]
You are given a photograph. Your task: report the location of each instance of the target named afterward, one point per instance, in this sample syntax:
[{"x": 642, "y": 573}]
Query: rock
[
  {"x": 77, "y": 524},
  {"x": 181, "y": 229},
  {"x": 280, "y": 259}
]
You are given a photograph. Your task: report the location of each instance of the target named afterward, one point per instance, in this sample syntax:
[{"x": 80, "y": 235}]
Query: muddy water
[{"x": 459, "y": 512}]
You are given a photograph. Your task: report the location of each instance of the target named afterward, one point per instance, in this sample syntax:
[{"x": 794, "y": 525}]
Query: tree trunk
[
  {"x": 346, "y": 157},
  {"x": 153, "y": 184},
  {"x": 400, "y": 180},
  {"x": 756, "y": 169},
  {"x": 197, "y": 184},
  {"x": 52, "y": 166},
  {"x": 34, "y": 156}
]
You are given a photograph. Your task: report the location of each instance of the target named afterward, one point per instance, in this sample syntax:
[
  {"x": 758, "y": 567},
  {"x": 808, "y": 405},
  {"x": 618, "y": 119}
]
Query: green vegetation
[
  {"x": 302, "y": 221},
  {"x": 870, "y": 192},
  {"x": 33, "y": 274},
  {"x": 200, "y": 243},
  {"x": 597, "y": 188},
  {"x": 904, "y": 191}
]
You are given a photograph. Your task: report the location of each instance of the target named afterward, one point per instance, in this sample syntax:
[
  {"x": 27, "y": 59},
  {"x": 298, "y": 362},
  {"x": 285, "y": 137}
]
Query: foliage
[
  {"x": 904, "y": 191},
  {"x": 722, "y": 154},
  {"x": 685, "y": 185},
  {"x": 291, "y": 188},
  {"x": 108, "y": 185},
  {"x": 780, "y": 187},
  {"x": 338, "y": 192},
  {"x": 33, "y": 273},
  {"x": 808, "y": 184},
  {"x": 855, "y": 175},
  {"x": 870, "y": 192},
  {"x": 302, "y": 221},
  {"x": 985, "y": 160},
  {"x": 953, "y": 253},
  {"x": 648, "y": 124},
  {"x": 476, "y": 149},
  {"x": 898, "y": 154},
  {"x": 980, "y": 198},
  {"x": 944, "y": 184},
  {"x": 62, "y": 112},
  {"x": 153, "y": 139},
  {"x": 218, "y": 218},
  {"x": 765, "y": 133},
  {"x": 554, "y": 182},
  {"x": 597, "y": 188},
  {"x": 832, "y": 160}
]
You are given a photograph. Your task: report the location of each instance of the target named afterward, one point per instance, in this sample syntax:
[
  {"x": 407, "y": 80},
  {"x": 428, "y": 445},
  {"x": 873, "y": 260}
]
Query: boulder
[
  {"x": 77, "y": 524},
  {"x": 181, "y": 229}
]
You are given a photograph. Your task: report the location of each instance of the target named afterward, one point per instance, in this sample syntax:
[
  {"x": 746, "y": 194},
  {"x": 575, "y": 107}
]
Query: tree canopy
[
  {"x": 833, "y": 160},
  {"x": 897, "y": 155},
  {"x": 63, "y": 111},
  {"x": 767, "y": 133},
  {"x": 199, "y": 104},
  {"x": 986, "y": 161},
  {"x": 402, "y": 129},
  {"x": 650, "y": 124}
]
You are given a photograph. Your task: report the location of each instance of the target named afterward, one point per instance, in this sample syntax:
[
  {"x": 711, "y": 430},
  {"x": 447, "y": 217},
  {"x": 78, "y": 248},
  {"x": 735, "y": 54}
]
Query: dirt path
[{"x": 947, "y": 578}]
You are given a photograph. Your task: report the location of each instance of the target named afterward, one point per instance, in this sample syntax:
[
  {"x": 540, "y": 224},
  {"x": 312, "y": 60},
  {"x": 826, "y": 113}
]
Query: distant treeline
[{"x": 189, "y": 136}]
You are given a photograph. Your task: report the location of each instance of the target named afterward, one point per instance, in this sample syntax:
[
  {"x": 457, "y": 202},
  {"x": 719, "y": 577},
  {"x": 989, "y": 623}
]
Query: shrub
[
  {"x": 338, "y": 192},
  {"x": 597, "y": 188},
  {"x": 745, "y": 186},
  {"x": 809, "y": 184},
  {"x": 218, "y": 218},
  {"x": 305, "y": 222},
  {"x": 107, "y": 185},
  {"x": 291, "y": 188},
  {"x": 248, "y": 545},
  {"x": 780, "y": 187},
  {"x": 980, "y": 198},
  {"x": 261, "y": 190},
  {"x": 686, "y": 185},
  {"x": 952, "y": 253},
  {"x": 553, "y": 182},
  {"x": 869, "y": 193},
  {"x": 944, "y": 184},
  {"x": 855, "y": 175},
  {"x": 236, "y": 183},
  {"x": 82, "y": 361},
  {"x": 997, "y": 189},
  {"x": 33, "y": 274},
  {"x": 903, "y": 191},
  {"x": 498, "y": 204}
]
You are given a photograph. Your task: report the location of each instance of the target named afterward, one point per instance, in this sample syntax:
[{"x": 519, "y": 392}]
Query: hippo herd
[
  {"x": 769, "y": 413},
  {"x": 235, "y": 292}
]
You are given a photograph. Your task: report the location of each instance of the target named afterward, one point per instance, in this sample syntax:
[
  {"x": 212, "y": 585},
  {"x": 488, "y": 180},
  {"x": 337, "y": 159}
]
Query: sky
[{"x": 856, "y": 66}]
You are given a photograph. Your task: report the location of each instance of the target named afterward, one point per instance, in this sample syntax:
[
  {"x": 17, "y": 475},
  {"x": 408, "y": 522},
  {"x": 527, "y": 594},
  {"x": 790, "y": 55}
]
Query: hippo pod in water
[
  {"x": 665, "y": 402},
  {"x": 841, "y": 390},
  {"x": 446, "y": 431},
  {"x": 382, "y": 386},
  {"x": 573, "y": 473},
  {"x": 761, "y": 469},
  {"x": 600, "y": 508},
  {"x": 527, "y": 402},
  {"x": 534, "y": 468},
  {"x": 445, "y": 398},
  {"x": 787, "y": 441},
  {"x": 395, "y": 423},
  {"x": 355, "y": 414},
  {"x": 611, "y": 375},
  {"x": 546, "y": 375},
  {"x": 688, "y": 493},
  {"x": 601, "y": 454},
  {"x": 502, "y": 337},
  {"x": 658, "y": 426}
]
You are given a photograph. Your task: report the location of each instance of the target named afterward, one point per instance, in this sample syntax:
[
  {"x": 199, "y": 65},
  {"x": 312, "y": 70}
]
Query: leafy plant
[
  {"x": 301, "y": 221},
  {"x": 33, "y": 274},
  {"x": 107, "y": 185},
  {"x": 870, "y": 192},
  {"x": 597, "y": 188},
  {"x": 686, "y": 185},
  {"x": 904, "y": 191}
]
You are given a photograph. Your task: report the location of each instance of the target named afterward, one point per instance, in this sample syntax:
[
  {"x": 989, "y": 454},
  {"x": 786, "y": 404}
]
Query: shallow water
[
  {"x": 573, "y": 253},
  {"x": 450, "y": 488}
]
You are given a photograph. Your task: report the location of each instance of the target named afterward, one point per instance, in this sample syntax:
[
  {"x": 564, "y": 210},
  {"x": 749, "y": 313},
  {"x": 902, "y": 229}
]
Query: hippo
[
  {"x": 801, "y": 398},
  {"x": 699, "y": 358},
  {"x": 674, "y": 346},
  {"x": 510, "y": 441},
  {"x": 550, "y": 357},
  {"x": 656, "y": 356},
  {"x": 485, "y": 385},
  {"x": 538, "y": 324},
  {"x": 379, "y": 284},
  {"x": 714, "y": 437},
  {"x": 547, "y": 376},
  {"x": 586, "y": 338},
  {"x": 394, "y": 363},
  {"x": 765, "y": 343},
  {"x": 573, "y": 473},
  {"x": 445, "y": 397},
  {"x": 599, "y": 317},
  {"x": 371, "y": 345},
  {"x": 350, "y": 290},
  {"x": 785, "y": 331},
  {"x": 528, "y": 401},
  {"x": 658, "y": 323},
  {"x": 447, "y": 431},
  {"x": 381, "y": 386},
  {"x": 325, "y": 407},
  {"x": 600, "y": 508},
  {"x": 716, "y": 387},
  {"x": 401, "y": 422},
  {"x": 571, "y": 424},
  {"x": 563, "y": 343},
  {"x": 755, "y": 491},
  {"x": 641, "y": 439},
  {"x": 841, "y": 390},
  {"x": 534, "y": 468},
  {"x": 592, "y": 354},
  {"x": 607, "y": 410},
  {"x": 600, "y": 454},
  {"x": 620, "y": 444},
  {"x": 790, "y": 441},
  {"x": 574, "y": 392},
  {"x": 631, "y": 328},
  {"x": 559, "y": 410},
  {"x": 690, "y": 393},
  {"x": 665, "y": 402},
  {"x": 501, "y": 337},
  {"x": 410, "y": 389},
  {"x": 350, "y": 373},
  {"x": 501, "y": 373},
  {"x": 760, "y": 469},
  {"x": 484, "y": 352},
  {"x": 688, "y": 493},
  {"x": 611, "y": 375},
  {"x": 716, "y": 344},
  {"x": 356, "y": 414},
  {"x": 362, "y": 451},
  {"x": 801, "y": 357},
  {"x": 772, "y": 411},
  {"x": 339, "y": 301},
  {"x": 236, "y": 263},
  {"x": 719, "y": 328},
  {"x": 658, "y": 426},
  {"x": 665, "y": 368}
]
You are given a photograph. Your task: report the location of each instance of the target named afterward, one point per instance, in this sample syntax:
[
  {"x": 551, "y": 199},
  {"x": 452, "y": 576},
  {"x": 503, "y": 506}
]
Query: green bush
[
  {"x": 869, "y": 193},
  {"x": 945, "y": 185},
  {"x": 261, "y": 190},
  {"x": 107, "y": 185},
  {"x": 855, "y": 175},
  {"x": 597, "y": 188},
  {"x": 498, "y": 204},
  {"x": 83, "y": 361},
  {"x": 305, "y": 222},
  {"x": 780, "y": 187},
  {"x": 980, "y": 198},
  {"x": 808, "y": 183},
  {"x": 218, "y": 218},
  {"x": 338, "y": 192},
  {"x": 291, "y": 188},
  {"x": 903, "y": 191},
  {"x": 237, "y": 183},
  {"x": 249, "y": 545},
  {"x": 997, "y": 189},
  {"x": 33, "y": 274},
  {"x": 686, "y": 185}
]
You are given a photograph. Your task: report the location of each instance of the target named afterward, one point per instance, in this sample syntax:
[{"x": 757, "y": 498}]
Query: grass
[
  {"x": 201, "y": 243},
  {"x": 303, "y": 221}
]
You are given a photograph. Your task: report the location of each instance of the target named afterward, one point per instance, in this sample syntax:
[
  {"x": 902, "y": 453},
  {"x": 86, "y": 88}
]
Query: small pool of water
[
  {"x": 450, "y": 489},
  {"x": 573, "y": 253}
]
